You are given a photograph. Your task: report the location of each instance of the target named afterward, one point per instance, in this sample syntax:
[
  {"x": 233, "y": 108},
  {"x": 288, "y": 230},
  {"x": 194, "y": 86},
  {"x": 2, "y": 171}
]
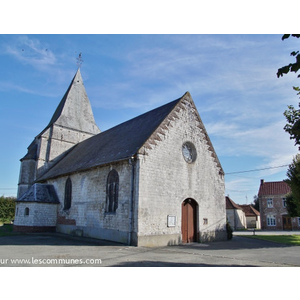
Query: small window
[
  {"x": 271, "y": 220},
  {"x": 112, "y": 191},
  {"x": 26, "y": 213},
  {"x": 68, "y": 194},
  {"x": 284, "y": 202},
  {"x": 205, "y": 221},
  {"x": 270, "y": 203},
  {"x": 298, "y": 221}
]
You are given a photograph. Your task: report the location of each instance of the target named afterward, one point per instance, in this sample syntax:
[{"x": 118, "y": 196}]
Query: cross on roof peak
[{"x": 79, "y": 60}]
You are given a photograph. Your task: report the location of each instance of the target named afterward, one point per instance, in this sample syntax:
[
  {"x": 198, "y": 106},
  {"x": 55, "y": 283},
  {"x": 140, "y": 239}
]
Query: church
[{"x": 154, "y": 180}]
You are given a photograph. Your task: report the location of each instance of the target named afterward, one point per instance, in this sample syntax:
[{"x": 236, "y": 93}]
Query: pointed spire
[{"x": 74, "y": 110}]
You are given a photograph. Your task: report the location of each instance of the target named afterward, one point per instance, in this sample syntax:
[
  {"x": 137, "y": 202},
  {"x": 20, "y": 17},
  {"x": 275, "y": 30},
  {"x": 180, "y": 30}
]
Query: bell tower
[{"x": 72, "y": 122}]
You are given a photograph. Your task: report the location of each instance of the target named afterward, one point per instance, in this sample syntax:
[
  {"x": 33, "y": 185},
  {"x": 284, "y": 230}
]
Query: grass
[{"x": 293, "y": 240}]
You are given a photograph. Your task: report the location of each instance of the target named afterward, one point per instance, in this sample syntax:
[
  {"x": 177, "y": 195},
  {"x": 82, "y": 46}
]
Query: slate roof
[
  {"x": 75, "y": 93},
  {"x": 230, "y": 204},
  {"x": 273, "y": 188},
  {"x": 43, "y": 193},
  {"x": 62, "y": 112},
  {"x": 116, "y": 144},
  {"x": 62, "y": 103}
]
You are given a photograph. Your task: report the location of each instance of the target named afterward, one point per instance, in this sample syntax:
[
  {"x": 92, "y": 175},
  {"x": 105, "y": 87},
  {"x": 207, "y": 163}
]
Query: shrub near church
[{"x": 7, "y": 209}]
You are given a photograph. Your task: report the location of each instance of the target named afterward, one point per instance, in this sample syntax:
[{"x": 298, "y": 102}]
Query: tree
[
  {"x": 293, "y": 199},
  {"x": 292, "y": 115},
  {"x": 292, "y": 127},
  {"x": 7, "y": 208},
  {"x": 255, "y": 202},
  {"x": 292, "y": 67}
]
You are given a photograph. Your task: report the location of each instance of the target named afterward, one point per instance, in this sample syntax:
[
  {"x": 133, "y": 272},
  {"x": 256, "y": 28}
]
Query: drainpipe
[{"x": 132, "y": 163}]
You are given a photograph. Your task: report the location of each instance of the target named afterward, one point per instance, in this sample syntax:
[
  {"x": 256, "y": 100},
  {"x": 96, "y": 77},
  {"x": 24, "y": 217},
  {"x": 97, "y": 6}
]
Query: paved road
[{"x": 36, "y": 250}]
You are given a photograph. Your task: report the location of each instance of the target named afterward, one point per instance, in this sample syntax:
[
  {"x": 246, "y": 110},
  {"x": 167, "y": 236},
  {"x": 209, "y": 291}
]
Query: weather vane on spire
[{"x": 79, "y": 60}]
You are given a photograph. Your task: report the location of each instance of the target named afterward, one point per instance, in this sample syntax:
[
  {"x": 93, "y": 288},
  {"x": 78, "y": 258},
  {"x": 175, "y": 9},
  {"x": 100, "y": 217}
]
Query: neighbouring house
[
  {"x": 153, "y": 180},
  {"x": 235, "y": 215},
  {"x": 272, "y": 206},
  {"x": 252, "y": 216}
]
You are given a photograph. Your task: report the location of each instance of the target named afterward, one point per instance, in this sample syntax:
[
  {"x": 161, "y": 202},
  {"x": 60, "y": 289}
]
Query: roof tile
[
  {"x": 230, "y": 204},
  {"x": 273, "y": 188}
]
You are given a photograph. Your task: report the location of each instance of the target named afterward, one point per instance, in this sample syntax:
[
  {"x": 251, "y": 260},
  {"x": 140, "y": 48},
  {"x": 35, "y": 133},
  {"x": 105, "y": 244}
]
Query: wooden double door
[
  {"x": 286, "y": 223},
  {"x": 189, "y": 221}
]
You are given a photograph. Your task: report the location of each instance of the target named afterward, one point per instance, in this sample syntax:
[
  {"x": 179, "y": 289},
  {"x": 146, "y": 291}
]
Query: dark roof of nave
[{"x": 116, "y": 144}]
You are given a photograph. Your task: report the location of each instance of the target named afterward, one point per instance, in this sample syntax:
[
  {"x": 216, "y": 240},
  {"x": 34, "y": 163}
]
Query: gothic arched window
[
  {"x": 112, "y": 191},
  {"x": 26, "y": 212},
  {"x": 68, "y": 194}
]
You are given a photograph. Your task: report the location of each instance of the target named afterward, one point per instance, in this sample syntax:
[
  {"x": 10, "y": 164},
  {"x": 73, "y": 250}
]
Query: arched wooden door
[{"x": 189, "y": 221}]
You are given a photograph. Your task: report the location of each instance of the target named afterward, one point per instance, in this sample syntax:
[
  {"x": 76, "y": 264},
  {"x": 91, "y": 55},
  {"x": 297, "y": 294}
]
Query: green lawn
[{"x": 284, "y": 239}]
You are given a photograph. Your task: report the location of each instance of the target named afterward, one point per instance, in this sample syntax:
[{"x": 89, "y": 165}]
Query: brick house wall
[{"x": 272, "y": 206}]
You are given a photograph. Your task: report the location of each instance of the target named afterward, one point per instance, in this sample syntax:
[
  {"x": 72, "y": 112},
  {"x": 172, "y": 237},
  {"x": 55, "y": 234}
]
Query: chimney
[{"x": 262, "y": 181}]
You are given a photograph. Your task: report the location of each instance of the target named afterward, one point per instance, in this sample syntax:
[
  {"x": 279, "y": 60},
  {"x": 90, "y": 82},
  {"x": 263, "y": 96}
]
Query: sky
[{"x": 231, "y": 77}]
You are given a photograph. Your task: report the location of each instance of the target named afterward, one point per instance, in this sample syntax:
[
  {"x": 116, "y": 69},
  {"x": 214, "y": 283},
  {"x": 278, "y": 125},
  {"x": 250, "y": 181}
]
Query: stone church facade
[{"x": 151, "y": 181}]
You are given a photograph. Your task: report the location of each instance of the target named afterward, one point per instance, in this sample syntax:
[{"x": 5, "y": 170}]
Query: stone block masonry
[{"x": 166, "y": 180}]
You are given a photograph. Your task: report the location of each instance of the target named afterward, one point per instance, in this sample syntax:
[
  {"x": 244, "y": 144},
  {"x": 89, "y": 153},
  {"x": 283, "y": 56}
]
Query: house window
[
  {"x": 271, "y": 220},
  {"x": 112, "y": 191},
  {"x": 298, "y": 221},
  {"x": 26, "y": 212},
  {"x": 68, "y": 194},
  {"x": 284, "y": 202},
  {"x": 270, "y": 203}
]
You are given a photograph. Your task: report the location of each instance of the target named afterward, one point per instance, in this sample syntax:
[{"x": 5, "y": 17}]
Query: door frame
[
  {"x": 286, "y": 217},
  {"x": 189, "y": 221}
]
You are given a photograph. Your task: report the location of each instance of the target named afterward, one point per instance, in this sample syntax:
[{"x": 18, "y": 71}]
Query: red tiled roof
[
  {"x": 273, "y": 188},
  {"x": 230, "y": 204},
  {"x": 249, "y": 210}
]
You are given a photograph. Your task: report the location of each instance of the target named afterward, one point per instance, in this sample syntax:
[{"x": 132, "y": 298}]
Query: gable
[{"x": 186, "y": 103}]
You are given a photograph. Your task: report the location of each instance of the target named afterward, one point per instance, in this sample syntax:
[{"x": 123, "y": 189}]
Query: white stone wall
[
  {"x": 230, "y": 215},
  {"x": 40, "y": 214},
  {"x": 89, "y": 201},
  {"x": 27, "y": 176},
  {"x": 166, "y": 180},
  {"x": 54, "y": 142}
]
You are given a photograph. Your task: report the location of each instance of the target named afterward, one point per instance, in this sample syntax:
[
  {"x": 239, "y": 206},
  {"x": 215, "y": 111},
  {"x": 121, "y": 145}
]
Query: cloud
[
  {"x": 30, "y": 51},
  {"x": 268, "y": 140}
]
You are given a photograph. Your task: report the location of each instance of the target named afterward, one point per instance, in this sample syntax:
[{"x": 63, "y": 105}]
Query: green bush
[
  {"x": 7, "y": 209},
  {"x": 229, "y": 231}
]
